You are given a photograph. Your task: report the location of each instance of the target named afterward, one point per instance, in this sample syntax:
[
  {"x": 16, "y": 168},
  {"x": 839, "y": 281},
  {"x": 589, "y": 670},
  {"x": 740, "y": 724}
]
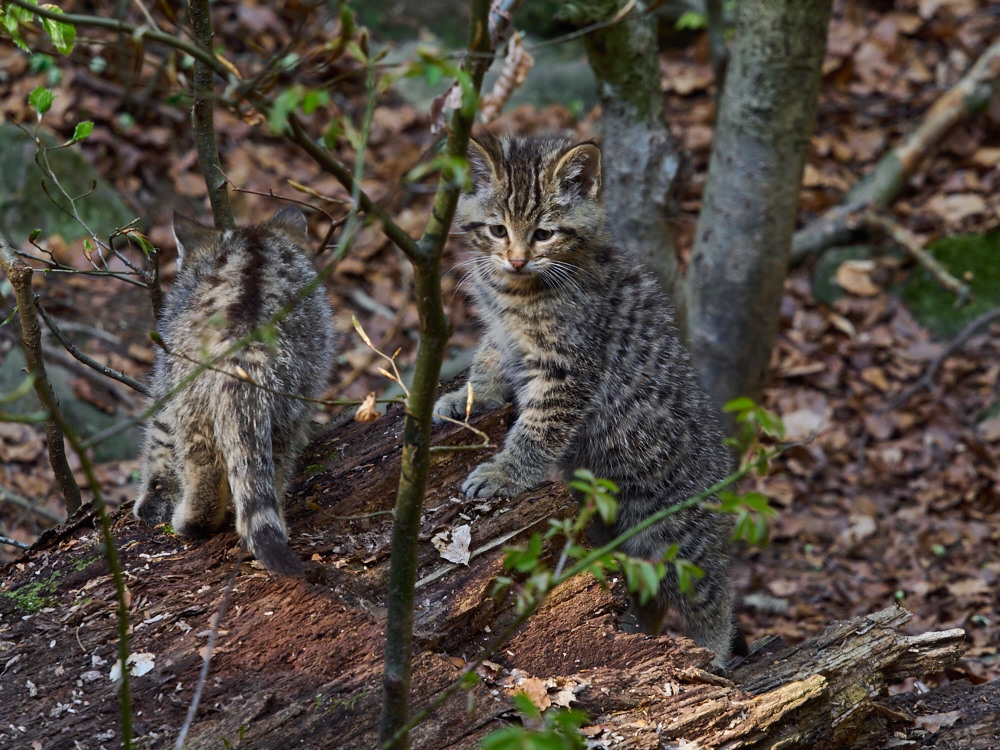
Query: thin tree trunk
[
  {"x": 740, "y": 259},
  {"x": 19, "y": 274},
  {"x": 641, "y": 162},
  {"x": 398, "y": 668},
  {"x": 203, "y": 120}
]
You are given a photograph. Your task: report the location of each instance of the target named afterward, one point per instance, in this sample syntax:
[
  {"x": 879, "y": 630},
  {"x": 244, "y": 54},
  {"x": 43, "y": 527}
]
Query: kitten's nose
[{"x": 517, "y": 263}]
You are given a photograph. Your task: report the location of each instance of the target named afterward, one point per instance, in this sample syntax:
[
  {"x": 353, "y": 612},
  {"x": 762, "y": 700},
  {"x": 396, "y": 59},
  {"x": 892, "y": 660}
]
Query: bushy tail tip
[{"x": 270, "y": 546}]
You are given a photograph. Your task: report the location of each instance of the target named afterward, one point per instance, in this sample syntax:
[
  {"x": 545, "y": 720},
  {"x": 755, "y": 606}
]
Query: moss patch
[
  {"x": 934, "y": 307},
  {"x": 34, "y": 597}
]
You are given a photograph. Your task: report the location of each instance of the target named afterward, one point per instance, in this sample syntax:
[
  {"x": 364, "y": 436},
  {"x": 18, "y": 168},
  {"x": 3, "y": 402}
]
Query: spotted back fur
[
  {"x": 578, "y": 335},
  {"x": 235, "y": 430}
]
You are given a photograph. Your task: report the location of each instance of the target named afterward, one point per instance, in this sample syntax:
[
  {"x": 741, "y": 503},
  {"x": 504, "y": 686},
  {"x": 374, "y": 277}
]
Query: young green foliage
[{"x": 560, "y": 730}]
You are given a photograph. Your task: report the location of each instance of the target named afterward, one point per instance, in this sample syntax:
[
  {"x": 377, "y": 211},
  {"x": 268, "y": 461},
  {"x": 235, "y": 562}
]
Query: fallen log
[{"x": 298, "y": 663}]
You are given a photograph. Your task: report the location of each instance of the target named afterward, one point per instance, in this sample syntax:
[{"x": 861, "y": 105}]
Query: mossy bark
[
  {"x": 740, "y": 259},
  {"x": 641, "y": 162}
]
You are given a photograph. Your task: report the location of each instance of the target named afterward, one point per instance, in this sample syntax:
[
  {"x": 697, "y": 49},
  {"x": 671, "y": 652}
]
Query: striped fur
[
  {"x": 580, "y": 337},
  {"x": 222, "y": 436}
]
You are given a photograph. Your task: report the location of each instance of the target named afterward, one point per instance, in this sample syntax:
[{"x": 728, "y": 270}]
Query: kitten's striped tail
[{"x": 244, "y": 430}]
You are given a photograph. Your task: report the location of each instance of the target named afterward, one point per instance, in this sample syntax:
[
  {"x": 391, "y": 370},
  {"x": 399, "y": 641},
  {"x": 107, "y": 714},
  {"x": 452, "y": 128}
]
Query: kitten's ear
[
  {"x": 483, "y": 157},
  {"x": 578, "y": 171},
  {"x": 191, "y": 238},
  {"x": 292, "y": 221}
]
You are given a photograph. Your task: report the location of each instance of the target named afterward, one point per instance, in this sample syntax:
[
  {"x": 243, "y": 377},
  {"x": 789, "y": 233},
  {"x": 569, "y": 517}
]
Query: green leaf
[
  {"x": 284, "y": 105},
  {"x": 743, "y": 403},
  {"x": 523, "y": 704},
  {"x": 83, "y": 129},
  {"x": 313, "y": 100},
  {"x": 511, "y": 738},
  {"x": 607, "y": 506},
  {"x": 469, "y": 680},
  {"x": 691, "y": 19},
  {"x": 12, "y": 17},
  {"x": 143, "y": 241},
  {"x": 524, "y": 559},
  {"x": 41, "y": 99},
  {"x": 62, "y": 34}
]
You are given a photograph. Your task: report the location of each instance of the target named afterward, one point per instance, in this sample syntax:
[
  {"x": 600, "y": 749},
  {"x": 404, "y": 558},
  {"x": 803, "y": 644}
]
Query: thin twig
[
  {"x": 14, "y": 543},
  {"x": 203, "y": 676},
  {"x": 118, "y": 375},
  {"x": 51, "y": 403},
  {"x": 927, "y": 379},
  {"x": 30, "y": 506},
  {"x": 909, "y": 242},
  {"x": 203, "y": 119}
]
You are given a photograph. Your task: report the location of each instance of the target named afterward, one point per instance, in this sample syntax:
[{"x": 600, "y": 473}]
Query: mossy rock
[
  {"x": 977, "y": 255},
  {"x": 25, "y": 206},
  {"x": 824, "y": 282},
  {"x": 87, "y": 420}
]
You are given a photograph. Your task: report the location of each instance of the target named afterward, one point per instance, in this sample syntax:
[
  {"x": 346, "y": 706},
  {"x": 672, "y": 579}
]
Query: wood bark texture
[
  {"x": 19, "y": 274},
  {"x": 641, "y": 163},
  {"x": 767, "y": 116},
  {"x": 299, "y": 663}
]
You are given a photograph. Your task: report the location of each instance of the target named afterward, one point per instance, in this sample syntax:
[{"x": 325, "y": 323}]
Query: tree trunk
[
  {"x": 297, "y": 664},
  {"x": 641, "y": 162},
  {"x": 767, "y": 116}
]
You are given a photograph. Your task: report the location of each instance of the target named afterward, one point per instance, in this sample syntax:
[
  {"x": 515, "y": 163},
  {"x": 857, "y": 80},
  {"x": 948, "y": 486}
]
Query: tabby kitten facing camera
[
  {"x": 578, "y": 335},
  {"x": 222, "y": 436}
]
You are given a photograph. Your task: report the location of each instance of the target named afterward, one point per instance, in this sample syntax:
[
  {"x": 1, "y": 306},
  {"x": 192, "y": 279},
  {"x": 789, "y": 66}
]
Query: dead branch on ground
[
  {"x": 873, "y": 220},
  {"x": 893, "y": 171}
]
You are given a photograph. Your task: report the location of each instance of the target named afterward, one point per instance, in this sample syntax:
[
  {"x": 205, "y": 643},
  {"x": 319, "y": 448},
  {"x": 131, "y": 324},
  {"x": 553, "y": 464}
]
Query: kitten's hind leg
[
  {"x": 159, "y": 488},
  {"x": 707, "y": 610},
  {"x": 204, "y": 489},
  {"x": 489, "y": 388}
]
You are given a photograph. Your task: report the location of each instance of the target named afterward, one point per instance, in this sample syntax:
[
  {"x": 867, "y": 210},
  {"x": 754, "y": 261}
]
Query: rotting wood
[{"x": 298, "y": 663}]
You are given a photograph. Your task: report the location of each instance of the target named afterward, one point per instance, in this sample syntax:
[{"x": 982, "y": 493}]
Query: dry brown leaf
[
  {"x": 536, "y": 690},
  {"x": 986, "y": 157},
  {"x": 934, "y": 722},
  {"x": 803, "y": 423},
  {"x": 855, "y": 277},
  {"x": 875, "y": 376},
  {"x": 368, "y": 411},
  {"x": 989, "y": 429},
  {"x": 955, "y": 208},
  {"x": 453, "y": 545}
]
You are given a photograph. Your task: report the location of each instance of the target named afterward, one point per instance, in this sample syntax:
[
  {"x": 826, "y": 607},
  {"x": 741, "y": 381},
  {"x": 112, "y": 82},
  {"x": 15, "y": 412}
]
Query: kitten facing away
[
  {"x": 578, "y": 335},
  {"x": 234, "y": 431}
]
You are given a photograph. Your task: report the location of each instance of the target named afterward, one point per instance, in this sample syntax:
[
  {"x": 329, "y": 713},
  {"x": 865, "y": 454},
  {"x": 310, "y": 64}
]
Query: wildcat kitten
[
  {"x": 579, "y": 336},
  {"x": 220, "y": 435}
]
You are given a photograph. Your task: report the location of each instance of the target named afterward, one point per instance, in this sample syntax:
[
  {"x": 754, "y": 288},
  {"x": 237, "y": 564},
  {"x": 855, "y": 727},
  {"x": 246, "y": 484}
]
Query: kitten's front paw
[
  {"x": 451, "y": 405},
  {"x": 492, "y": 479}
]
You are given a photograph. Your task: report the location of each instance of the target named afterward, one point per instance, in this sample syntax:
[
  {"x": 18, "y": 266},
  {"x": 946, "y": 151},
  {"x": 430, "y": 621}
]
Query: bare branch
[
  {"x": 894, "y": 170},
  {"x": 121, "y": 377},
  {"x": 19, "y": 274},
  {"x": 908, "y": 241},
  {"x": 203, "y": 119},
  {"x": 14, "y": 542},
  {"x": 203, "y": 676}
]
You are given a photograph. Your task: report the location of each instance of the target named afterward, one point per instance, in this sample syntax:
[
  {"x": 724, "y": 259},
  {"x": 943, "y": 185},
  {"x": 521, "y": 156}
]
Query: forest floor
[{"x": 881, "y": 502}]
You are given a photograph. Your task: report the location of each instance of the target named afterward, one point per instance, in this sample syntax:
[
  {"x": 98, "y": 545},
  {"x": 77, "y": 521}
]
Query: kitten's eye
[
  {"x": 498, "y": 230},
  {"x": 541, "y": 235}
]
